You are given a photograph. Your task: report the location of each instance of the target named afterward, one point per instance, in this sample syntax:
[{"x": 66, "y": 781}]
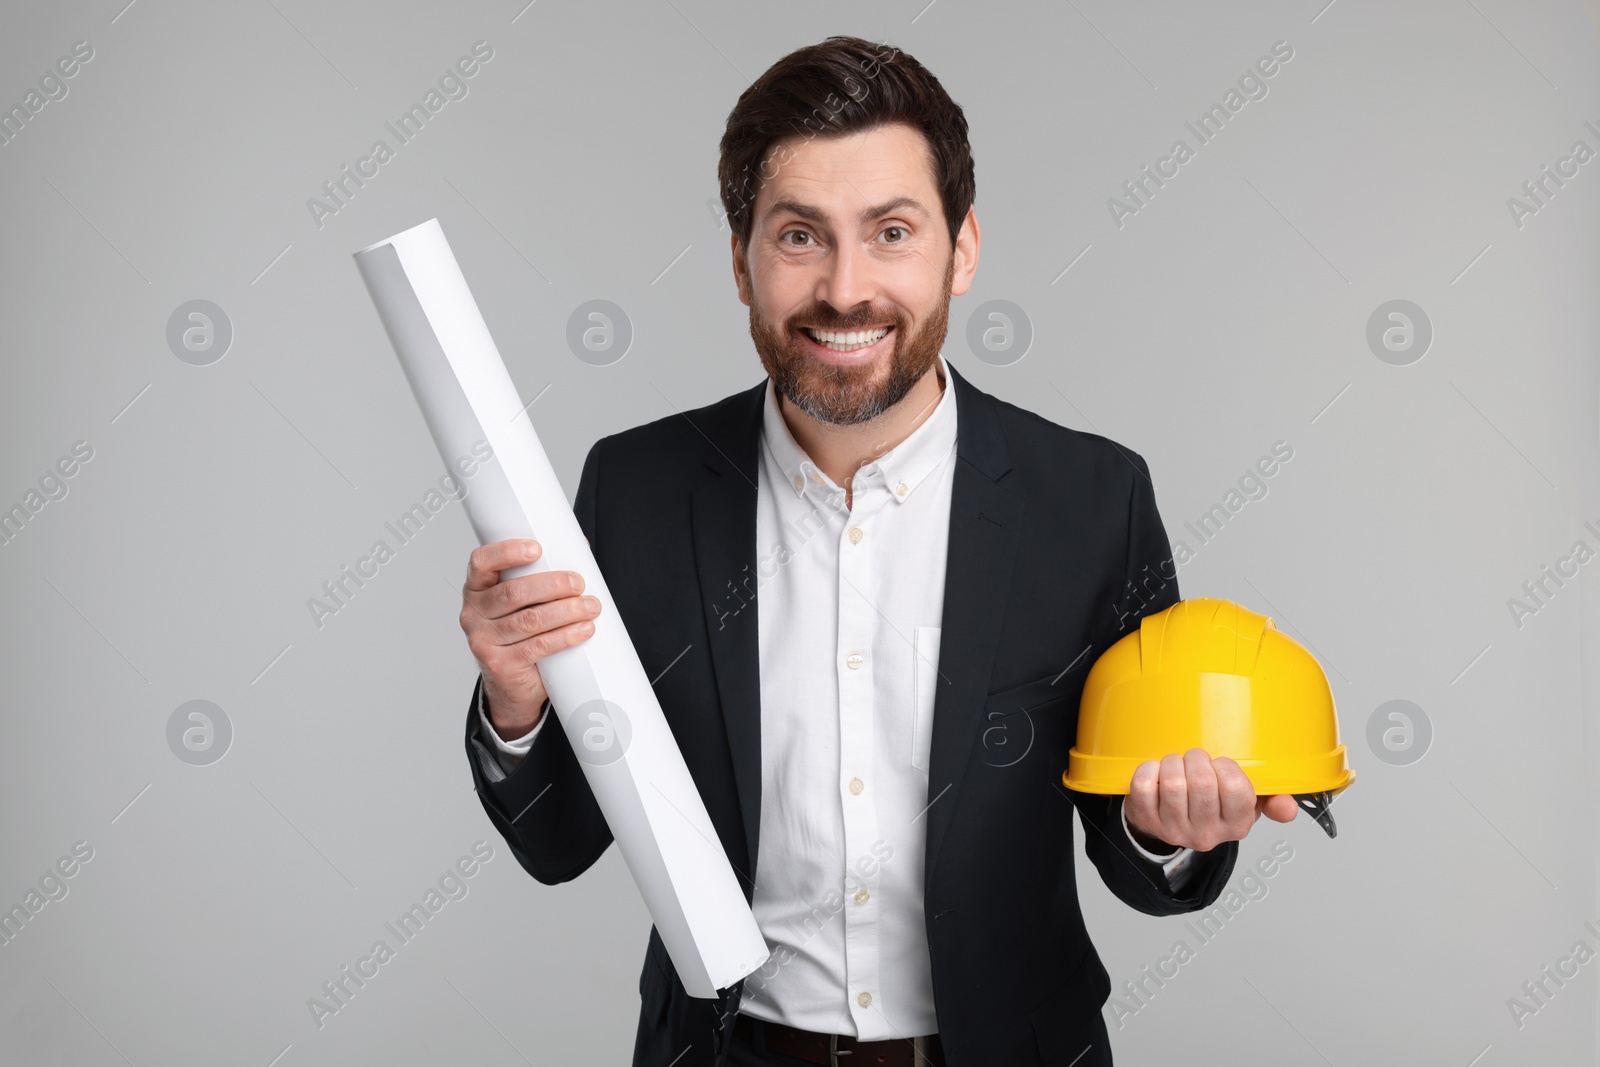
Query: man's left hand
[{"x": 1194, "y": 801}]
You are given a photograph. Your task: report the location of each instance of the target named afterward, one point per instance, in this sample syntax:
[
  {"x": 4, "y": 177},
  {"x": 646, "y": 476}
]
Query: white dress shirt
[{"x": 850, "y": 615}]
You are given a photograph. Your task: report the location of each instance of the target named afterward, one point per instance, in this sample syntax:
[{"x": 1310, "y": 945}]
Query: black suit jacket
[{"x": 1055, "y": 547}]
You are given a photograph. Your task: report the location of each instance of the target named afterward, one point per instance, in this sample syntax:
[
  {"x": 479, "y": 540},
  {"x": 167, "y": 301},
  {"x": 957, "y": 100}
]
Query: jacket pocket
[
  {"x": 924, "y": 685},
  {"x": 1027, "y": 696},
  {"x": 1026, "y": 718}
]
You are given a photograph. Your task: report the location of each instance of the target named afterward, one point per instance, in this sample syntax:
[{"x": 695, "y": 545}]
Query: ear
[
  {"x": 741, "y": 269},
  {"x": 968, "y": 238}
]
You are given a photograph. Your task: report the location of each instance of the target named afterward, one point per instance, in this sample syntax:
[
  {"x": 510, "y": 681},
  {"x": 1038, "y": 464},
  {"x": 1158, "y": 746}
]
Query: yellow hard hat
[{"x": 1209, "y": 673}]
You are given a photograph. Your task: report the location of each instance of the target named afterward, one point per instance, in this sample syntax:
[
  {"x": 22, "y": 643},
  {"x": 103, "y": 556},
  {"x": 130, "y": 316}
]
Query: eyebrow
[{"x": 812, "y": 214}]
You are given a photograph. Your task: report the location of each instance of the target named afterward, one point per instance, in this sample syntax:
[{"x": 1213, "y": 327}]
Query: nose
[{"x": 849, "y": 278}]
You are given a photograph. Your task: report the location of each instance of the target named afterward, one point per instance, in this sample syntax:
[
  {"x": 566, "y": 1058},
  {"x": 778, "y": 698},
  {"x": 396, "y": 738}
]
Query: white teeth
[{"x": 847, "y": 341}]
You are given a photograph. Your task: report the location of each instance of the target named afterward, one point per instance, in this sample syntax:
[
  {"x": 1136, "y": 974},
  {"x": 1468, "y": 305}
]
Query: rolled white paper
[{"x": 599, "y": 690}]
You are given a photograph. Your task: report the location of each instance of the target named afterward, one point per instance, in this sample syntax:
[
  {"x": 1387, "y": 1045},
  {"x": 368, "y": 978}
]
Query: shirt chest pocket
[{"x": 924, "y": 679}]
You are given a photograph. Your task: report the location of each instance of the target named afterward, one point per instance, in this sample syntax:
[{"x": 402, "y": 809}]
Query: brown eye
[{"x": 898, "y": 229}]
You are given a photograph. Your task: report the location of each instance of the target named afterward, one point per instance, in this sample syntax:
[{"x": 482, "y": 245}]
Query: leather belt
[{"x": 840, "y": 1050}]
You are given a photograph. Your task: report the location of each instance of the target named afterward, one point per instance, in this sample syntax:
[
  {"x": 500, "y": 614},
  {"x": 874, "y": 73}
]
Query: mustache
[{"x": 848, "y": 322}]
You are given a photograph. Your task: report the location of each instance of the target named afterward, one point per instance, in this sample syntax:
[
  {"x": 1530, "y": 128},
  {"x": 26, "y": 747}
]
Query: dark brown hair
[{"x": 843, "y": 85}]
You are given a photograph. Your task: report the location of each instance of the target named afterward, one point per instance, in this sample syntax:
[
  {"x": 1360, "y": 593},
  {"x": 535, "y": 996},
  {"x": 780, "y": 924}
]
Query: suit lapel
[
  {"x": 985, "y": 523},
  {"x": 723, "y": 514}
]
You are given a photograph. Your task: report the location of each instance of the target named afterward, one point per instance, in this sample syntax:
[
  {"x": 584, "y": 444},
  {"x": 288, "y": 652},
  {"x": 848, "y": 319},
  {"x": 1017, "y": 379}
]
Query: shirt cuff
[
  {"x": 518, "y": 746},
  {"x": 506, "y": 756},
  {"x": 1174, "y": 864}
]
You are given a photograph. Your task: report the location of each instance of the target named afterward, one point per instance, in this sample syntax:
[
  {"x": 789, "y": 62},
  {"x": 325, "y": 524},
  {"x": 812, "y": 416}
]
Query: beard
[{"x": 843, "y": 395}]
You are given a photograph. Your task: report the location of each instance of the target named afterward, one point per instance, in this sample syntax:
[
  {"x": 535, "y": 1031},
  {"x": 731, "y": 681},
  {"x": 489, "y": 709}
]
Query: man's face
[{"x": 849, "y": 271}]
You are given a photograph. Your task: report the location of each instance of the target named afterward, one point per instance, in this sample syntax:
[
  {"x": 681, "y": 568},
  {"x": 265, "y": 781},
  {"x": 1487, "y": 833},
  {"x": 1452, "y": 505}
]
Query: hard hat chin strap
[{"x": 1318, "y": 805}]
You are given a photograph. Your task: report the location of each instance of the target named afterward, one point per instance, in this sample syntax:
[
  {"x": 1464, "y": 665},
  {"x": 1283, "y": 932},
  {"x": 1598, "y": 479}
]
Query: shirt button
[
  {"x": 861, "y": 896},
  {"x": 799, "y": 483},
  {"x": 857, "y": 785},
  {"x": 854, "y": 661},
  {"x": 865, "y": 1000},
  {"x": 856, "y": 535},
  {"x": 901, "y": 489}
]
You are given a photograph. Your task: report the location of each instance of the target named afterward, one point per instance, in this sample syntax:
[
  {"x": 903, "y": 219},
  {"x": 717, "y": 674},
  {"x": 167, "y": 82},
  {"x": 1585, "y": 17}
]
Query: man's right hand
[{"x": 512, "y": 625}]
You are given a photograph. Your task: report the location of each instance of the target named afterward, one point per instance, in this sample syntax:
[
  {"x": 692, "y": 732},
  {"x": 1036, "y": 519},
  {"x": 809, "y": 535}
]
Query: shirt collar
[{"x": 903, "y": 467}]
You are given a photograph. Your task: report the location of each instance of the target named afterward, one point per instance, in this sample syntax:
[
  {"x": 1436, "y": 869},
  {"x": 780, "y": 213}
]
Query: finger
[
  {"x": 537, "y": 618},
  {"x": 536, "y": 647},
  {"x": 1237, "y": 795},
  {"x": 1205, "y": 808},
  {"x": 1279, "y": 808},
  {"x": 1174, "y": 791},
  {"x": 1143, "y": 802},
  {"x": 487, "y": 561},
  {"x": 515, "y": 594},
  {"x": 531, "y": 620}
]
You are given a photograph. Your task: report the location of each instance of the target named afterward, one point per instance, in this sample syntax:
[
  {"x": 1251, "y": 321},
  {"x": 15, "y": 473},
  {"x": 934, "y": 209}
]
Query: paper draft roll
[{"x": 599, "y": 690}]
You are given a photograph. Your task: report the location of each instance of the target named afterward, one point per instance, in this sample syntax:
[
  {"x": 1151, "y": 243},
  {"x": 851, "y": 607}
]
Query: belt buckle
[{"x": 834, "y": 1052}]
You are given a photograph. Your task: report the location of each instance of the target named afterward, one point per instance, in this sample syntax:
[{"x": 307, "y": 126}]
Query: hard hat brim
[{"x": 1113, "y": 775}]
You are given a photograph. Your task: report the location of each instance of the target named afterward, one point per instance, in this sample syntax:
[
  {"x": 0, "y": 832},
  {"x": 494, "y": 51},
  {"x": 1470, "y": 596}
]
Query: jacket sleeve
[
  {"x": 544, "y": 807},
  {"x": 1150, "y": 585}
]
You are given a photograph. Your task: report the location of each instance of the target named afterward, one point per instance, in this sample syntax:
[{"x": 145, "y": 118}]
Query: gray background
[{"x": 1226, "y": 315}]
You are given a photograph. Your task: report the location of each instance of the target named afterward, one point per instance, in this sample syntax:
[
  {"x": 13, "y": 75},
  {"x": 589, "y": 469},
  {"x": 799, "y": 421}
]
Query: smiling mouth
[{"x": 847, "y": 340}]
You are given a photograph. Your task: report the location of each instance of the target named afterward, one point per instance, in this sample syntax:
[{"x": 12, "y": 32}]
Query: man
[{"x": 869, "y": 593}]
